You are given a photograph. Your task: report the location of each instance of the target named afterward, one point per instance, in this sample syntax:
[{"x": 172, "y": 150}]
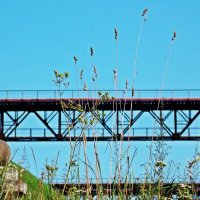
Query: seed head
[
  {"x": 116, "y": 33},
  {"x": 91, "y": 51},
  {"x": 75, "y": 59}
]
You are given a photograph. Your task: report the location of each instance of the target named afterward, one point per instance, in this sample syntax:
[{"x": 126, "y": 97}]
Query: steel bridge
[{"x": 107, "y": 116}]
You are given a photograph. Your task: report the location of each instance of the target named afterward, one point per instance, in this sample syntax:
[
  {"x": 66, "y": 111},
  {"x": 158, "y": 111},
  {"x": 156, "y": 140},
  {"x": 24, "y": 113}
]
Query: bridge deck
[{"x": 119, "y": 104}]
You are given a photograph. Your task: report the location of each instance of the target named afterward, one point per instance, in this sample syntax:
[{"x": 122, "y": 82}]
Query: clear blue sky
[{"x": 37, "y": 37}]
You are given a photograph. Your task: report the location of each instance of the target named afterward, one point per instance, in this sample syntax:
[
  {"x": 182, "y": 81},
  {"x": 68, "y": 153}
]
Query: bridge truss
[{"x": 101, "y": 119}]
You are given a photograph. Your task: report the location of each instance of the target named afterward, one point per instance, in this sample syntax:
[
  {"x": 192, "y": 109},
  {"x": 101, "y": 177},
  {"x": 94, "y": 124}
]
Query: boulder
[{"x": 4, "y": 153}]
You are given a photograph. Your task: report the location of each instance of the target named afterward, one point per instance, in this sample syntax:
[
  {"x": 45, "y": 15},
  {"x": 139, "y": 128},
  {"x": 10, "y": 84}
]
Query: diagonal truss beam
[
  {"x": 167, "y": 115},
  {"x": 183, "y": 115},
  {"x": 103, "y": 123},
  {"x": 190, "y": 121},
  {"x": 16, "y": 122},
  {"x": 49, "y": 118},
  {"x": 74, "y": 122},
  {"x": 45, "y": 123},
  {"x": 160, "y": 121},
  {"x": 132, "y": 121}
]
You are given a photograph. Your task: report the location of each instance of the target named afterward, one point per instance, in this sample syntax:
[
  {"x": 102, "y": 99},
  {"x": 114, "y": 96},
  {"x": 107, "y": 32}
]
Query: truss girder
[
  {"x": 179, "y": 128},
  {"x": 118, "y": 115}
]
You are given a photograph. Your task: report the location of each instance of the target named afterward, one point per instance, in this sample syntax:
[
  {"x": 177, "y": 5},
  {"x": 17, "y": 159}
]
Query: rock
[
  {"x": 12, "y": 183},
  {"x": 4, "y": 153}
]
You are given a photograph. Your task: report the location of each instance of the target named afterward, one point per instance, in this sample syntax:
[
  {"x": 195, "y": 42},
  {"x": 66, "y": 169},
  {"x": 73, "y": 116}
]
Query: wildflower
[
  {"x": 91, "y": 121},
  {"x": 11, "y": 166},
  {"x": 188, "y": 186},
  {"x": 85, "y": 121},
  {"x": 56, "y": 73},
  {"x": 73, "y": 163},
  {"x": 160, "y": 163},
  {"x": 99, "y": 93},
  {"x": 51, "y": 168},
  {"x": 182, "y": 185},
  {"x": 66, "y": 74}
]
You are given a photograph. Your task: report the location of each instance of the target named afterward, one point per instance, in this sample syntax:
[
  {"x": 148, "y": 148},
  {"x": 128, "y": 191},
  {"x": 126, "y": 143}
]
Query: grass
[{"x": 37, "y": 189}]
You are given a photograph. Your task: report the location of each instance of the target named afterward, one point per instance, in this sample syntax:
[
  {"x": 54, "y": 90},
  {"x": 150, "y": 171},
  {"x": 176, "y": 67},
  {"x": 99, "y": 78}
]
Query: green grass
[{"x": 37, "y": 189}]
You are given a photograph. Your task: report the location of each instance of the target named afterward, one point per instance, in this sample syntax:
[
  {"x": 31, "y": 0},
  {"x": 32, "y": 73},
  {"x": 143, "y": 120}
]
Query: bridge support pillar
[
  {"x": 1, "y": 125},
  {"x": 117, "y": 122},
  {"x": 175, "y": 123},
  {"x": 59, "y": 123}
]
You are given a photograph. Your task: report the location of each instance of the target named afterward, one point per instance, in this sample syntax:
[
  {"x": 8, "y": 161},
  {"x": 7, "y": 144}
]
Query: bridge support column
[
  {"x": 59, "y": 124},
  {"x": 117, "y": 122},
  {"x": 1, "y": 124},
  {"x": 175, "y": 122}
]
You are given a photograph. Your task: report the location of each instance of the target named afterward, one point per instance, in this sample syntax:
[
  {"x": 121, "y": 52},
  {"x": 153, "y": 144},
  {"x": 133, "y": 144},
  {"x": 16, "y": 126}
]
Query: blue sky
[{"x": 37, "y": 37}]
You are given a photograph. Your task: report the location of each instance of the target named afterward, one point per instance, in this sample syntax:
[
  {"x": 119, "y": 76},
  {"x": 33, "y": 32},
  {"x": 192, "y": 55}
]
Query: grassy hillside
[{"x": 37, "y": 189}]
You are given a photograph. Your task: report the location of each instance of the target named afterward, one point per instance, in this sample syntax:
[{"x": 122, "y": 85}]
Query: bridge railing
[
  {"x": 36, "y": 94},
  {"x": 96, "y": 132}
]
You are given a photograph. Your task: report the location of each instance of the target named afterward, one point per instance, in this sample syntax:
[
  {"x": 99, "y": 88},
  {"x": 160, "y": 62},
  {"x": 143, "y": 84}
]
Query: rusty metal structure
[{"x": 113, "y": 115}]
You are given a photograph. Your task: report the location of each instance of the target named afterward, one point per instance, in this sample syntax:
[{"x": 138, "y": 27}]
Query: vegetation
[{"x": 36, "y": 188}]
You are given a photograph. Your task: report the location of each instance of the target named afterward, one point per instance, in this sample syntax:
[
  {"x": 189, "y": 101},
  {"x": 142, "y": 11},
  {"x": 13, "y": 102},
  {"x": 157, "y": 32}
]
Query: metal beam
[
  {"x": 1, "y": 124},
  {"x": 100, "y": 138},
  {"x": 103, "y": 123},
  {"x": 132, "y": 121},
  {"x": 46, "y": 124},
  {"x": 164, "y": 126},
  {"x": 191, "y": 120},
  {"x": 16, "y": 122}
]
